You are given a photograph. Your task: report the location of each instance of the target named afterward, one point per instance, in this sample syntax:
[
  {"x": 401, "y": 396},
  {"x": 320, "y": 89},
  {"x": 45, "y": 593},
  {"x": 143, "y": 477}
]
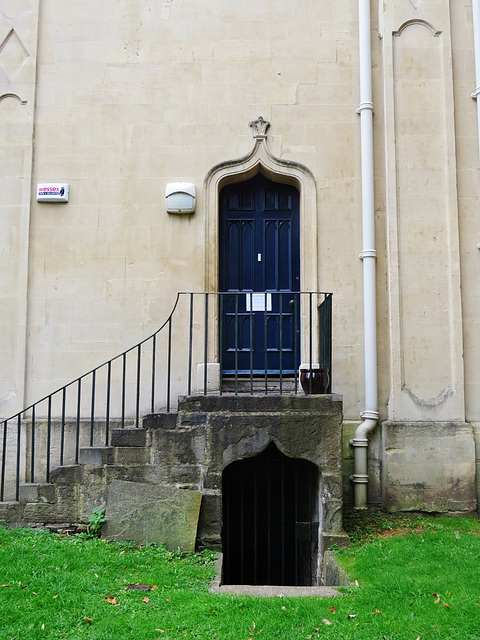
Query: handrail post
[
  {"x": 4, "y": 460},
  {"x": 137, "y": 403},
  {"x": 107, "y": 411},
  {"x": 190, "y": 346},
  {"x": 49, "y": 436},
  {"x": 62, "y": 434},
  {"x": 220, "y": 339},
  {"x": 32, "y": 456},
  {"x": 169, "y": 362},
  {"x": 17, "y": 471},
  {"x": 92, "y": 409},
  {"x": 154, "y": 354},
  {"x": 205, "y": 355}
]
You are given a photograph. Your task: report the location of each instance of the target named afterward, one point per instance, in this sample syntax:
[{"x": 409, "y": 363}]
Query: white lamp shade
[{"x": 180, "y": 197}]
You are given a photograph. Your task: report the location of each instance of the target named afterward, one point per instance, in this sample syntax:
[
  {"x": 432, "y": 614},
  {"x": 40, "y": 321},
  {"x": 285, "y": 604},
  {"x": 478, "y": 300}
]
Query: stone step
[
  {"x": 96, "y": 455},
  {"x": 128, "y": 437},
  {"x": 245, "y": 403},
  {"x": 36, "y": 492},
  {"x": 167, "y": 421},
  {"x": 67, "y": 475}
]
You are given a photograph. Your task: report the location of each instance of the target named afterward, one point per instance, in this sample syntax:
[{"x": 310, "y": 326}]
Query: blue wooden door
[{"x": 260, "y": 266}]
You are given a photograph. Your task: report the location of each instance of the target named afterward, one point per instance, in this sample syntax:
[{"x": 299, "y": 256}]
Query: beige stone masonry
[
  {"x": 18, "y": 50},
  {"x": 422, "y": 218}
]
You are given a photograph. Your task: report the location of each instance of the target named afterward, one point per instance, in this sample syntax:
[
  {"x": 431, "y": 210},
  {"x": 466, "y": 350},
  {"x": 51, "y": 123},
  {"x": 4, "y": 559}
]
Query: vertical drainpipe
[
  {"x": 476, "y": 46},
  {"x": 368, "y": 255}
]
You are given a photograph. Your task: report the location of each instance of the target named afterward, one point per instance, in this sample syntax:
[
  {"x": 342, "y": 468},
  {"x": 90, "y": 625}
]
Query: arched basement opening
[{"x": 270, "y": 520}]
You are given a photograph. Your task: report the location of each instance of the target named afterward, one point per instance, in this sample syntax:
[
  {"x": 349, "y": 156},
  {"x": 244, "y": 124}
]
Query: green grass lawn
[{"x": 417, "y": 578}]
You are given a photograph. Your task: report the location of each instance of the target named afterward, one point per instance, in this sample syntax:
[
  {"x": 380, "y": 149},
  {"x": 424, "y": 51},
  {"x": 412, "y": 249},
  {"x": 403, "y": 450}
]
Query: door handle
[{"x": 291, "y": 303}]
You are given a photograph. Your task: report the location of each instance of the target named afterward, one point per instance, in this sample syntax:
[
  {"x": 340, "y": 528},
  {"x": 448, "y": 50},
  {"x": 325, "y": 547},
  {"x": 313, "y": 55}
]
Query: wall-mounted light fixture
[{"x": 180, "y": 197}]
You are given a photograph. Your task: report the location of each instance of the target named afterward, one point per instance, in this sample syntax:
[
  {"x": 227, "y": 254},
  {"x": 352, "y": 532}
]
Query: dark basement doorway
[{"x": 270, "y": 520}]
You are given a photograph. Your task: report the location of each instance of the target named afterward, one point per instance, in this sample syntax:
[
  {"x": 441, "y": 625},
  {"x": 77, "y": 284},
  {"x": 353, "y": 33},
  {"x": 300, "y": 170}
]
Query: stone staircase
[
  {"x": 75, "y": 490},
  {"x": 162, "y": 483}
]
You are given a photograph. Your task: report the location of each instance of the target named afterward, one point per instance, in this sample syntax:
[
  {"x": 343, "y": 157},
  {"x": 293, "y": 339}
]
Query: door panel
[{"x": 259, "y": 252}]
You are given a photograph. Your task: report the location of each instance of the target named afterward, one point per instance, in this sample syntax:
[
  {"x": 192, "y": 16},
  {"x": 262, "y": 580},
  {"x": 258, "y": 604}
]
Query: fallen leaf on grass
[
  {"x": 154, "y": 587},
  {"x": 444, "y": 604},
  {"x": 325, "y": 621},
  {"x": 146, "y": 600},
  {"x": 352, "y": 615},
  {"x": 111, "y": 600},
  {"x": 5, "y": 585},
  {"x": 56, "y": 596},
  {"x": 161, "y": 630},
  {"x": 332, "y": 610},
  {"x": 377, "y": 611},
  {"x": 87, "y": 619}
]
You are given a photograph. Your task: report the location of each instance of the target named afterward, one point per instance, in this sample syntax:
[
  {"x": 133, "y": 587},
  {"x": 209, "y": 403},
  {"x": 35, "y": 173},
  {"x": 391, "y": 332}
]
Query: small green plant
[{"x": 95, "y": 522}]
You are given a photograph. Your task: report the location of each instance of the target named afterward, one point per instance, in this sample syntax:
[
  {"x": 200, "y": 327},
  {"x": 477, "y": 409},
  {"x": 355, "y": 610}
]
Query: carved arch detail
[
  {"x": 260, "y": 160},
  {"x": 14, "y": 97},
  {"x": 414, "y": 21}
]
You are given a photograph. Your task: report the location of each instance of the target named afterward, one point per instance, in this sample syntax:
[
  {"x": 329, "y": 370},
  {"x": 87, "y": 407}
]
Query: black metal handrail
[{"x": 51, "y": 431}]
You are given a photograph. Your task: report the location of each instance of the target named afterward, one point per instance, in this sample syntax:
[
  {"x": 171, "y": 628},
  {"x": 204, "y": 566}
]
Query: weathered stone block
[
  {"x": 28, "y": 492},
  {"x": 152, "y": 513},
  {"x": 128, "y": 437},
  {"x": 11, "y": 513},
  {"x": 96, "y": 455},
  {"x": 433, "y": 471},
  {"x": 185, "y": 474},
  {"x": 332, "y": 572},
  {"x": 38, "y": 512},
  {"x": 192, "y": 419},
  {"x": 67, "y": 504},
  {"x": 210, "y": 522},
  {"x": 36, "y": 492},
  {"x": 131, "y": 455},
  {"x": 166, "y": 421},
  {"x": 69, "y": 474},
  {"x": 332, "y": 516}
]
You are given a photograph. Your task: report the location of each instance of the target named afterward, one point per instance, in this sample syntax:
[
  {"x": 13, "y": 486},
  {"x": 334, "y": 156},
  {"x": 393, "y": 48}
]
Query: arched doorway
[
  {"x": 270, "y": 520},
  {"x": 259, "y": 263}
]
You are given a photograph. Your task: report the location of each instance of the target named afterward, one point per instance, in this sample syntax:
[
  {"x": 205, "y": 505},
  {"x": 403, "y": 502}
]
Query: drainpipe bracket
[
  {"x": 369, "y": 415},
  {"x": 369, "y": 253},
  {"x": 476, "y": 93},
  {"x": 364, "y": 105},
  {"x": 359, "y": 478},
  {"x": 359, "y": 442}
]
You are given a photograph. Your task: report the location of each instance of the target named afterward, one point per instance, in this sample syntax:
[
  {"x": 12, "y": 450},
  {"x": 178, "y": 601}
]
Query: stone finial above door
[{"x": 259, "y": 127}]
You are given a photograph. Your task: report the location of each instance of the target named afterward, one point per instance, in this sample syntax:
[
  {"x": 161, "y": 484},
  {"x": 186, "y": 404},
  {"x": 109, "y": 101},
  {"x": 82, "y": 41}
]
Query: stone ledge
[
  {"x": 36, "y": 492},
  {"x": 128, "y": 437},
  {"x": 96, "y": 455},
  {"x": 321, "y": 404}
]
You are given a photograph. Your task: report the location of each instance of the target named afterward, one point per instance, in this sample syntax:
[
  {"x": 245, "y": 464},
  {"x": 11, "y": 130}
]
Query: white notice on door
[{"x": 258, "y": 301}]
